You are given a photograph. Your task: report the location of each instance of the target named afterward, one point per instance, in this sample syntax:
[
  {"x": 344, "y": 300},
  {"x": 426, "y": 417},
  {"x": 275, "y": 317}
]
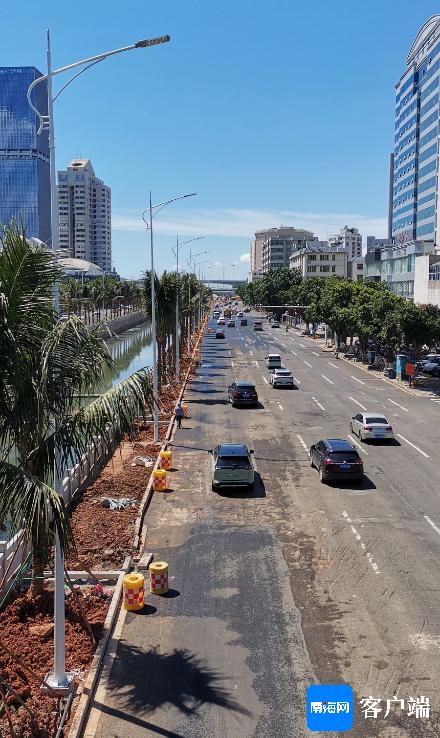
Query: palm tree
[
  {"x": 165, "y": 291},
  {"x": 45, "y": 364}
]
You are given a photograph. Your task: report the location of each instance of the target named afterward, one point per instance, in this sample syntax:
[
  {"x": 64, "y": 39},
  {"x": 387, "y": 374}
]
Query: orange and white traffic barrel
[
  {"x": 185, "y": 409},
  {"x": 133, "y": 588},
  {"x": 158, "y": 577},
  {"x": 159, "y": 480}
]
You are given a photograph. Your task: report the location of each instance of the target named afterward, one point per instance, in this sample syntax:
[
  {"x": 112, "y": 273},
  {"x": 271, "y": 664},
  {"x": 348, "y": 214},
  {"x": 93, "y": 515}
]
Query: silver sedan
[{"x": 371, "y": 426}]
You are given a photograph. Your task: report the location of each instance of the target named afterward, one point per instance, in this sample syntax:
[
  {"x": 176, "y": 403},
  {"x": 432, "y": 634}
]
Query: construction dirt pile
[{"x": 26, "y": 654}]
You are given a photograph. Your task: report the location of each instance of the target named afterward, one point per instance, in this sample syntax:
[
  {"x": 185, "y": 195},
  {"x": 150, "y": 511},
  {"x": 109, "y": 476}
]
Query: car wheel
[
  {"x": 311, "y": 462},
  {"x": 213, "y": 487},
  {"x": 321, "y": 475},
  {"x": 351, "y": 428}
]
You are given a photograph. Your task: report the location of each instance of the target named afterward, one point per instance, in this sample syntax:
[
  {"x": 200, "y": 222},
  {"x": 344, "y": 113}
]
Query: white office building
[
  {"x": 318, "y": 259},
  {"x": 84, "y": 208},
  {"x": 347, "y": 238},
  {"x": 277, "y": 244}
]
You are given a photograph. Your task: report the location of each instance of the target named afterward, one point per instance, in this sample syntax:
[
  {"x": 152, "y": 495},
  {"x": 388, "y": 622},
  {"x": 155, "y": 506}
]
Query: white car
[
  {"x": 281, "y": 377},
  {"x": 371, "y": 426},
  {"x": 275, "y": 324},
  {"x": 221, "y": 321},
  {"x": 274, "y": 361}
]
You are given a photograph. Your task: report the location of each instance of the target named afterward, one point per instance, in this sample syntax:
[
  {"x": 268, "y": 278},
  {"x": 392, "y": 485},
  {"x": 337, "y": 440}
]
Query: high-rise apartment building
[
  {"x": 416, "y": 150},
  {"x": 24, "y": 155},
  {"x": 279, "y": 243},
  {"x": 347, "y": 238},
  {"x": 84, "y": 206}
]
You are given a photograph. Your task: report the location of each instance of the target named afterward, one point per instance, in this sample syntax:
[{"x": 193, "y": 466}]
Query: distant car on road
[
  {"x": 243, "y": 321},
  {"x": 281, "y": 378},
  {"x": 431, "y": 365},
  {"x": 221, "y": 321},
  {"x": 275, "y": 324},
  {"x": 336, "y": 459},
  {"x": 242, "y": 392},
  {"x": 274, "y": 361},
  {"x": 258, "y": 325},
  {"x": 231, "y": 323},
  {"x": 247, "y": 310},
  {"x": 370, "y": 426},
  {"x": 240, "y": 314},
  {"x": 232, "y": 466},
  {"x": 220, "y": 334}
]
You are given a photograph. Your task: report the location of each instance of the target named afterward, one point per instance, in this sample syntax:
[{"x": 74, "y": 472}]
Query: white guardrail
[{"x": 13, "y": 551}]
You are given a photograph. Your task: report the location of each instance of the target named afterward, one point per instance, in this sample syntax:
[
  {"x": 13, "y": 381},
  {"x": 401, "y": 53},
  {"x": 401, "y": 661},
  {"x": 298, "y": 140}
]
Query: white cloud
[
  {"x": 217, "y": 264},
  {"x": 245, "y": 258},
  {"x": 242, "y": 223}
]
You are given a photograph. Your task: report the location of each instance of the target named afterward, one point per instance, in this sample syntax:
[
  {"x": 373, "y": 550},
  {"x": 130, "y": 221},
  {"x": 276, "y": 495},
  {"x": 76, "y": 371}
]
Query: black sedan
[
  {"x": 242, "y": 392},
  {"x": 243, "y": 321},
  {"x": 336, "y": 459},
  {"x": 219, "y": 334}
]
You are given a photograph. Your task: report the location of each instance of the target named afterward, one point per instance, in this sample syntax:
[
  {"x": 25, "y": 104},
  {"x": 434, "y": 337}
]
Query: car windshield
[
  {"x": 245, "y": 387},
  {"x": 378, "y": 419},
  {"x": 233, "y": 462},
  {"x": 282, "y": 373},
  {"x": 341, "y": 456}
]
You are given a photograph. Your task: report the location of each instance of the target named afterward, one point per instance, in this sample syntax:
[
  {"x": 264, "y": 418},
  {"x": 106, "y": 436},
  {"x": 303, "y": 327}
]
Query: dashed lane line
[
  {"x": 232, "y": 363},
  {"x": 413, "y": 446},
  {"x": 301, "y": 344},
  {"x": 356, "y": 379},
  {"x": 264, "y": 378},
  {"x": 316, "y": 353},
  {"x": 358, "y": 445},
  {"x": 327, "y": 379},
  {"x": 358, "y": 537},
  {"x": 250, "y": 352},
  {"x": 358, "y": 403},
  {"x": 433, "y": 525},
  {"x": 333, "y": 365},
  {"x": 297, "y": 380},
  {"x": 396, "y": 403},
  {"x": 307, "y": 363},
  {"x": 301, "y": 440},
  {"x": 280, "y": 406},
  {"x": 256, "y": 363},
  {"x": 293, "y": 352},
  {"x": 318, "y": 403}
]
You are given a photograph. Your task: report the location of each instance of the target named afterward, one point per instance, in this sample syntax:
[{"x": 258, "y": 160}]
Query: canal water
[{"x": 131, "y": 351}]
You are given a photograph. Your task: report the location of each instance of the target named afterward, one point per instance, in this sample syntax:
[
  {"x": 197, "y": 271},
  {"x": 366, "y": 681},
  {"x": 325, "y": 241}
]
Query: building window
[
  {"x": 323, "y": 257},
  {"x": 333, "y": 257},
  {"x": 333, "y": 268},
  {"x": 324, "y": 269},
  {"x": 312, "y": 257},
  {"x": 312, "y": 268}
]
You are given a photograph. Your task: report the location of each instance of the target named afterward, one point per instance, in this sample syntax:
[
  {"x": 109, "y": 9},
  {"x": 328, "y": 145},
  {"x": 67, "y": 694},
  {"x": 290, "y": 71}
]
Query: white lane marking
[
  {"x": 315, "y": 352},
  {"x": 411, "y": 444},
  {"x": 358, "y": 403},
  {"x": 293, "y": 352},
  {"x": 357, "y": 380},
  {"x": 333, "y": 365},
  {"x": 281, "y": 407},
  {"x": 306, "y": 362},
  {"x": 396, "y": 403},
  {"x": 256, "y": 362},
  {"x": 428, "y": 520},
  {"x": 250, "y": 352},
  {"x": 301, "y": 440},
  {"x": 318, "y": 403},
  {"x": 283, "y": 344},
  {"x": 327, "y": 379},
  {"x": 297, "y": 380},
  {"x": 358, "y": 445},
  {"x": 232, "y": 363},
  {"x": 230, "y": 353},
  {"x": 242, "y": 338},
  {"x": 358, "y": 537},
  {"x": 301, "y": 344},
  {"x": 264, "y": 378}
]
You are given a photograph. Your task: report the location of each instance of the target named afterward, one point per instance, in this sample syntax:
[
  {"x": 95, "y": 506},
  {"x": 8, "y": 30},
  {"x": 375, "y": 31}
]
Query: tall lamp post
[
  {"x": 152, "y": 211},
  {"x": 176, "y": 254},
  {"x": 188, "y": 261},
  {"x": 59, "y": 680}
]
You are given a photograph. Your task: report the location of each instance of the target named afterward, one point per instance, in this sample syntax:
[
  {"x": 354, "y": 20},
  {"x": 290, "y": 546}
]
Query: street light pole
[
  {"x": 177, "y": 338},
  {"x": 59, "y": 680}
]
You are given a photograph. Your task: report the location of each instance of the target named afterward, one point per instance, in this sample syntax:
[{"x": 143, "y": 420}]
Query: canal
[{"x": 131, "y": 351}]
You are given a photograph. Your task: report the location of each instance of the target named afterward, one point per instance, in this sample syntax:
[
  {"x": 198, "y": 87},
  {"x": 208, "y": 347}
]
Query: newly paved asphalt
[{"x": 297, "y": 583}]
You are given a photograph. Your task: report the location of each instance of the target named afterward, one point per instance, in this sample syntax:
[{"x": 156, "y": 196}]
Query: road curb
[{"x": 93, "y": 675}]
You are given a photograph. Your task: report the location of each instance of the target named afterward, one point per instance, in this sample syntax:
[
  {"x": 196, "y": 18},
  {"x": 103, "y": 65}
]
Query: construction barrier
[
  {"x": 185, "y": 409},
  {"x": 159, "y": 480},
  {"x": 158, "y": 577},
  {"x": 133, "y": 587},
  {"x": 166, "y": 460}
]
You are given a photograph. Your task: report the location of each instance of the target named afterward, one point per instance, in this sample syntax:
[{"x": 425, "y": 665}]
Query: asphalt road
[{"x": 299, "y": 582}]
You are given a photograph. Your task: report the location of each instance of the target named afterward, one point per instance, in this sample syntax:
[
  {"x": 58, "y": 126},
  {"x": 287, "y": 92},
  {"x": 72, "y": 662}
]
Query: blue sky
[{"x": 274, "y": 113}]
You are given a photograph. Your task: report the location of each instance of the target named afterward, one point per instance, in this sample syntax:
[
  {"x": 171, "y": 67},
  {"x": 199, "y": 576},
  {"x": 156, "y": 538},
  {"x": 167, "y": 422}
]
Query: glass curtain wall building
[
  {"x": 24, "y": 155},
  {"x": 415, "y": 176}
]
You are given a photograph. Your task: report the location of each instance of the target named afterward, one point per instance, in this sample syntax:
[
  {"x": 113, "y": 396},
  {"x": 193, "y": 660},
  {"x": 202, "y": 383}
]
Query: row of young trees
[
  {"x": 193, "y": 298},
  {"x": 368, "y": 310},
  {"x": 105, "y": 295},
  {"x": 45, "y": 366}
]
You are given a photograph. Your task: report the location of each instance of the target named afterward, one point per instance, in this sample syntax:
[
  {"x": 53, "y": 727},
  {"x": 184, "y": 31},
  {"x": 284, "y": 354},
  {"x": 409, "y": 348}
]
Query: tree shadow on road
[{"x": 148, "y": 680}]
